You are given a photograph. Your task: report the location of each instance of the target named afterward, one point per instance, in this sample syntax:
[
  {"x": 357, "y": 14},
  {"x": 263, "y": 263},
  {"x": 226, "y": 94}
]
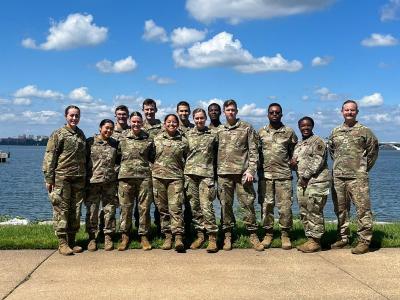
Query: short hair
[
  {"x": 70, "y": 107},
  {"x": 173, "y": 115},
  {"x": 122, "y": 107},
  {"x": 182, "y": 103},
  {"x": 230, "y": 102},
  {"x": 214, "y": 104},
  {"x": 199, "y": 110},
  {"x": 306, "y": 118},
  {"x": 135, "y": 114},
  {"x": 105, "y": 121},
  {"x": 149, "y": 101},
  {"x": 350, "y": 101},
  {"x": 275, "y": 104}
]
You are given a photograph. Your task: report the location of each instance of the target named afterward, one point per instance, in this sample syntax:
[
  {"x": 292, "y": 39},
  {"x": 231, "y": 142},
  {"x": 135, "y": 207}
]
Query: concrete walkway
[{"x": 238, "y": 274}]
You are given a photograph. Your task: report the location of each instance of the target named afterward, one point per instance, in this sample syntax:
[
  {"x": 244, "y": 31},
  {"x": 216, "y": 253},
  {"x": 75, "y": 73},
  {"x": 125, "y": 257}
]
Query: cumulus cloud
[
  {"x": 7, "y": 117},
  {"x": 379, "y": 40},
  {"x": 205, "y": 103},
  {"x": 120, "y": 66},
  {"x": 161, "y": 80},
  {"x": 379, "y": 117},
  {"x": 41, "y": 117},
  {"x": 252, "y": 110},
  {"x": 154, "y": 33},
  {"x": 78, "y": 30},
  {"x": 321, "y": 61},
  {"x": 326, "y": 95},
  {"x": 22, "y": 101},
  {"x": 80, "y": 94},
  {"x": 375, "y": 99},
  {"x": 4, "y": 101},
  {"x": 390, "y": 11},
  {"x": 222, "y": 50},
  {"x": 237, "y": 10},
  {"x": 183, "y": 36},
  {"x": 32, "y": 91}
]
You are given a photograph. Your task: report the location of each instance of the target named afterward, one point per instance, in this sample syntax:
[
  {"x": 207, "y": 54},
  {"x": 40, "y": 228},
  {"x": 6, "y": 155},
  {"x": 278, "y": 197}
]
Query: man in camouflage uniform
[
  {"x": 354, "y": 150},
  {"x": 214, "y": 113},
  {"x": 276, "y": 145},
  {"x": 183, "y": 112},
  {"x": 313, "y": 182},
  {"x": 121, "y": 121},
  {"x": 237, "y": 165}
]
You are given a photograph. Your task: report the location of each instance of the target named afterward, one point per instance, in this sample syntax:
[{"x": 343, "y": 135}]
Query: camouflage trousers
[
  {"x": 66, "y": 198},
  {"x": 344, "y": 191},
  {"x": 106, "y": 195},
  {"x": 312, "y": 200},
  {"x": 201, "y": 192},
  {"x": 135, "y": 191},
  {"x": 227, "y": 184},
  {"x": 169, "y": 197},
  {"x": 277, "y": 192}
]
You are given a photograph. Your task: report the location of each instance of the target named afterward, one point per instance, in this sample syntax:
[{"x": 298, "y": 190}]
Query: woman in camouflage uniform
[
  {"x": 171, "y": 150},
  {"x": 102, "y": 184},
  {"x": 64, "y": 168}
]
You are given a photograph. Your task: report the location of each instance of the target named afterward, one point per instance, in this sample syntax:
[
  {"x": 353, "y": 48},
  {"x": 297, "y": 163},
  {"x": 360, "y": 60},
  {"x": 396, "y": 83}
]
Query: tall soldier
[
  {"x": 354, "y": 150},
  {"x": 277, "y": 143},
  {"x": 183, "y": 112},
  {"x": 237, "y": 165},
  {"x": 121, "y": 121}
]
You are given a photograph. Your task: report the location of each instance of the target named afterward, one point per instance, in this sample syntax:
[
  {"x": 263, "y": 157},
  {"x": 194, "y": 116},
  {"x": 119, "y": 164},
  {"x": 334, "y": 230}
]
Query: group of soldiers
[{"x": 140, "y": 160}]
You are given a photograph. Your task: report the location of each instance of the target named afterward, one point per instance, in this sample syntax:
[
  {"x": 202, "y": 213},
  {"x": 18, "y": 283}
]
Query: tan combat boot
[
  {"x": 256, "y": 242},
  {"x": 145, "y": 243},
  {"x": 312, "y": 245},
  {"x": 63, "y": 247},
  {"x": 72, "y": 245},
  {"x": 167, "y": 245},
  {"x": 286, "y": 244},
  {"x": 361, "y": 248},
  {"x": 267, "y": 241},
  {"x": 108, "y": 243},
  {"x": 212, "y": 243},
  {"x": 124, "y": 242},
  {"x": 179, "y": 246},
  {"x": 198, "y": 242},
  {"x": 340, "y": 244},
  {"x": 227, "y": 241},
  {"x": 92, "y": 246}
]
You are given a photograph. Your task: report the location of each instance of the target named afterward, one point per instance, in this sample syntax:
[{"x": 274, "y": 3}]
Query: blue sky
[{"x": 308, "y": 55}]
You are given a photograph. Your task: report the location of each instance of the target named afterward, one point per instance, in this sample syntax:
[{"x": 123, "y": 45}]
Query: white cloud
[
  {"x": 379, "y": 117},
  {"x": 305, "y": 97},
  {"x": 183, "y": 36},
  {"x": 237, "y": 10},
  {"x": 161, "y": 80},
  {"x": 252, "y": 110},
  {"x": 120, "y": 66},
  {"x": 76, "y": 31},
  {"x": 222, "y": 50},
  {"x": 41, "y": 117},
  {"x": 205, "y": 103},
  {"x": 375, "y": 99},
  {"x": 390, "y": 11},
  {"x": 326, "y": 95},
  {"x": 155, "y": 33},
  {"x": 22, "y": 101},
  {"x": 321, "y": 61},
  {"x": 32, "y": 91},
  {"x": 4, "y": 101},
  {"x": 80, "y": 94},
  {"x": 379, "y": 40},
  {"x": 8, "y": 117}
]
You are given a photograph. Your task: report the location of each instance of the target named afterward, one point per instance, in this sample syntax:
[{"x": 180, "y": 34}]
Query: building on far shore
[{"x": 25, "y": 140}]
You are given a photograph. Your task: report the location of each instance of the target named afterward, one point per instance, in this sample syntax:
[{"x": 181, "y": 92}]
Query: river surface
[{"x": 22, "y": 191}]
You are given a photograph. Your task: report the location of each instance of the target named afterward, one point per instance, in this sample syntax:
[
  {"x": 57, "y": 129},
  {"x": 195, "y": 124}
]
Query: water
[{"x": 22, "y": 190}]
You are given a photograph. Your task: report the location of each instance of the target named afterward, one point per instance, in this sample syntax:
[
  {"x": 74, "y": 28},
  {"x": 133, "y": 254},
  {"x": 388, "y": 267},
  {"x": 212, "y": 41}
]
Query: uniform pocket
[{"x": 56, "y": 196}]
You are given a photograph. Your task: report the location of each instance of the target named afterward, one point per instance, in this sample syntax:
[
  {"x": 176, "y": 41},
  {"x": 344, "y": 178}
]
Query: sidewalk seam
[
  {"x": 27, "y": 277},
  {"x": 352, "y": 276}
]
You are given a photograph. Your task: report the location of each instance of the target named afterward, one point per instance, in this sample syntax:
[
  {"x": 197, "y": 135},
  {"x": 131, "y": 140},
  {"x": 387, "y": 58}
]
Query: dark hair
[
  {"x": 169, "y": 115},
  {"x": 275, "y": 104},
  {"x": 122, "y": 107},
  {"x": 199, "y": 110},
  {"x": 306, "y": 118},
  {"x": 149, "y": 101},
  {"x": 182, "y": 103},
  {"x": 214, "y": 104},
  {"x": 230, "y": 102},
  {"x": 105, "y": 121},
  {"x": 350, "y": 101},
  {"x": 71, "y": 106},
  {"x": 135, "y": 114}
]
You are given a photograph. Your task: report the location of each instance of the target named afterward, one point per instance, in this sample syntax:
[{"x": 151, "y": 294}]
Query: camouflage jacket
[
  {"x": 119, "y": 132},
  {"x": 237, "y": 149},
  {"x": 311, "y": 156},
  {"x": 152, "y": 130},
  {"x": 202, "y": 156},
  {"x": 101, "y": 159},
  {"x": 276, "y": 148},
  {"x": 184, "y": 129},
  {"x": 211, "y": 126},
  {"x": 137, "y": 152},
  {"x": 171, "y": 154},
  {"x": 354, "y": 150},
  {"x": 65, "y": 154}
]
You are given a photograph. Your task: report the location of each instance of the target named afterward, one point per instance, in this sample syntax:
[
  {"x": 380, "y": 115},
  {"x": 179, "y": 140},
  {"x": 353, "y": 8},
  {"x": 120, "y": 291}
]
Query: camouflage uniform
[
  {"x": 64, "y": 165},
  {"x": 199, "y": 178},
  {"x": 354, "y": 151},
  {"x": 276, "y": 149},
  {"x": 118, "y": 132},
  {"x": 237, "y": 154},
  {"x": 102, "y": 178},
  {"x": 311, "y": 156},
  {"x": 154, "y": 129},
  {"x": 167, "y": 174},
  {"x": 183, "y": 128},
  {"x": 134, "y": 178}
]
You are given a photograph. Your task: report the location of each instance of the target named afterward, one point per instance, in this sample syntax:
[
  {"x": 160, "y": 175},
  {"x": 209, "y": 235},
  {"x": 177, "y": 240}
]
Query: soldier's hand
[
  {"x": 293, "y": 163},
  {"x": 303, "y": 182},
  {"x": 50, "y": 187},
  {"x": 247, "y": 177}
]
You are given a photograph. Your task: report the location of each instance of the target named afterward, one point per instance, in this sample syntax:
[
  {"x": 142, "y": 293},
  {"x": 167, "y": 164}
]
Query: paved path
[{"x": 238, "y": 274}]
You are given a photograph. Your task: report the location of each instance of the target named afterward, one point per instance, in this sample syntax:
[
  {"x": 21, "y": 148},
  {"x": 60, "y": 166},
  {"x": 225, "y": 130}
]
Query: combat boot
[
  {"x": 179, "y": 246},
  {"x": 167, "y": 245},
  {"x": 340, "y": 244},
  {"x": 212, "y": 243},
  {"x": 108, "y": 243},
  {"x": 92, "y": 246},
  {"x": 267, "y": 241},
  {"x": 312, "y": 245},
  {"x": 72, "y": 245},
  {"x": 256, "y": 242},
  {"x": 227, "y": 241},
  {"x": 361, "y": 248},
  {"x": 286, "y": 244},
  {"x": 198, "y": 242},
  {"x": 145, "y": 243},
  {"x": 124, "y": 242},
  {"x": 63, "y": 247}
]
